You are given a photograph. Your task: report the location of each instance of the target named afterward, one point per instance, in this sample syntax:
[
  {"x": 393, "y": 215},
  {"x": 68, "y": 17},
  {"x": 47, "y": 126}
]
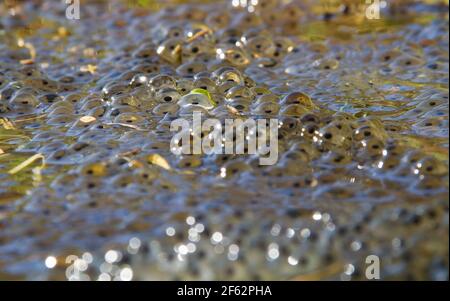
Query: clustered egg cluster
[{"x": 362, "y": 109}]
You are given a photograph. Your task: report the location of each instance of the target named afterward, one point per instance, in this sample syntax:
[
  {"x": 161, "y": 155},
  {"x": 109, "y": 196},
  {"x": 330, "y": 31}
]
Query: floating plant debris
[
  {"x": 27, "y": 162},
  {"x": 361, "y": 105}
]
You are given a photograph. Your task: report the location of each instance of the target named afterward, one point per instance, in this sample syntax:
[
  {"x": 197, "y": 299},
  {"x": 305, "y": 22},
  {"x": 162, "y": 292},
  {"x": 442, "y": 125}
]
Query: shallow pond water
[{"x": 89, "y": 188}]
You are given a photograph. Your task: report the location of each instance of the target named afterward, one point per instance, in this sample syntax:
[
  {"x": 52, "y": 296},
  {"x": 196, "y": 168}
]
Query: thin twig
[
  {"x": 27, "y": 162},
  {"x": 198, "y": 35},
  {"x": 30, "y": 118},
  {"x": 125, "y": 125},
  {"x": 6, "y": 123}
]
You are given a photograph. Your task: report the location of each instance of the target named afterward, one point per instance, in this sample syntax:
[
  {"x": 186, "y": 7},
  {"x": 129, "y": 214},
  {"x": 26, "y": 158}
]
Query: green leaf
[{"x": 204, "y": 92}]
